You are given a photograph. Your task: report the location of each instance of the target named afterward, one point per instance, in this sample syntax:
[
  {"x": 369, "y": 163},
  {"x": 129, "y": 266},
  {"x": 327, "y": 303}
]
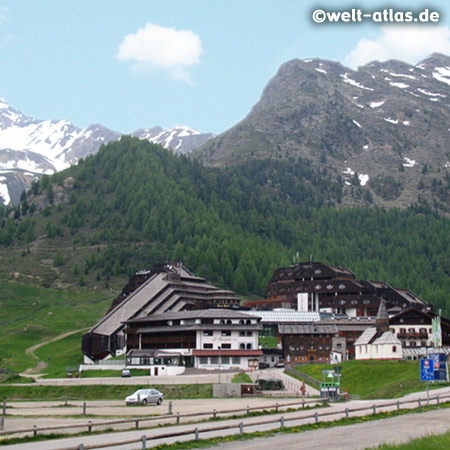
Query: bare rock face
[{"x": 384, "y": 127}]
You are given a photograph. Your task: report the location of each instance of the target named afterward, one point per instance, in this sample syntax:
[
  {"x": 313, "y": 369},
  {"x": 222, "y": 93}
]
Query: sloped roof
[
  {"x": 367, "y": 336},
  {"x": 307, "y": 329},
  {"x": 285, "y": 316},
  {"x": 387, "y": 338}
]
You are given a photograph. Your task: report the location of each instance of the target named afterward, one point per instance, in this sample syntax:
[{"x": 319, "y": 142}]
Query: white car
[{"x": 145, "y": 396}]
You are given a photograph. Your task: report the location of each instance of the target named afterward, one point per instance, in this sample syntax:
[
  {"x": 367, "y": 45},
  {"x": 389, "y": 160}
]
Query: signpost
[{"x": 427, "y": 374}]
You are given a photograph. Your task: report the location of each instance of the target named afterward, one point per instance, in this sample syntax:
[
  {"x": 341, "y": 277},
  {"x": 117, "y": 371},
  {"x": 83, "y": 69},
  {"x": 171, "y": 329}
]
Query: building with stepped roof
[{"x": 166, "y": 287}]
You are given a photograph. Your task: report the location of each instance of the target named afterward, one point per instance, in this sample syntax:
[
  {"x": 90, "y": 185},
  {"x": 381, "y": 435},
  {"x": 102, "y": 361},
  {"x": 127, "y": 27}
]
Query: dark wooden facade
[
  {"x": 332, "y": 289},
  {"x": 307, "y": 343}
]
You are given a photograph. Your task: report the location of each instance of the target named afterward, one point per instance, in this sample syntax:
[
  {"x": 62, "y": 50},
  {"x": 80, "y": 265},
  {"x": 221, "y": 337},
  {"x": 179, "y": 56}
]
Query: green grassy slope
[
  {"x": 375, "y": 379},
  {"x": 30, "y": 315}
]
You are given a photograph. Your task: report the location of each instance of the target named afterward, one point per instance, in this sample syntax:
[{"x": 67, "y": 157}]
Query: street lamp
[{"x": 219, "y": 348}]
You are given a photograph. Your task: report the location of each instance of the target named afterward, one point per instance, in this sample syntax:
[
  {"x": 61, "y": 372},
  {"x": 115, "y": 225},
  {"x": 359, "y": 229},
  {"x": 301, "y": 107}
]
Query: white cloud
[
  {"x": 162, "y": 48},
  {"x": 408, "y": 43}
]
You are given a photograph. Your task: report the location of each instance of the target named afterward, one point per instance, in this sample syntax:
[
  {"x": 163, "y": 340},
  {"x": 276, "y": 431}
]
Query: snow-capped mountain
[
  {"x": 382, "y": 131},
  {"x": 30, "y": 147}
]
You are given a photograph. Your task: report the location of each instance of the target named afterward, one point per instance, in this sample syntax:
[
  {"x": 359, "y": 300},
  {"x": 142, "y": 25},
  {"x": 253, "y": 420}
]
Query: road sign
[
  {"x": 439, "y": 366},
  {"x": 426, "y": 370}
]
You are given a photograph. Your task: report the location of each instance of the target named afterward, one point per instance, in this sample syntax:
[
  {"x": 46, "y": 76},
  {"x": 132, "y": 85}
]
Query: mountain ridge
[
  {"x": 30, "y": 148},
  {"x": 383, "y": 127}
]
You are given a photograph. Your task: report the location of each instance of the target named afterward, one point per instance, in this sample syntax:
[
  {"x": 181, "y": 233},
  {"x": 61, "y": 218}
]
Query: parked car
[
  {"x": 145, "y": 396},
  {"x": 126, "y": 373},
  {"x": 280, "y": 364},
  {"x": 263, "y": 365}
]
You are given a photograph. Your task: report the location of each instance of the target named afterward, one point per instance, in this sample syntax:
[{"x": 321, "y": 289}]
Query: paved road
[
  {"x": 250, "y": 424},
  {"x": 354, "y": 437}
]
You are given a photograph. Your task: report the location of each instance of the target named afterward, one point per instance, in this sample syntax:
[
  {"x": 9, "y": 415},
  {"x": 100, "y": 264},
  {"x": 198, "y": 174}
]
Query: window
[
  {"x": 207, "y": 333},
  {"x": 207, "y": 346},
  {"x": 203, "y": 360},
  {"x": 411, "y": 330},
  {"x": 394, "y": 349},
  {"x": 214, "y": 360},
  {"x": 242, "y": 346},
  {"x": 236, "y": 360},
  {"x": 226, "y": 333},
  {"x": 225, "y": 346},
  {"x": 225, "y": 359},
  {"x": 249, "y": 333},
  {"x": 249, "y": 346},
  {"x": 242, "y": 333}
]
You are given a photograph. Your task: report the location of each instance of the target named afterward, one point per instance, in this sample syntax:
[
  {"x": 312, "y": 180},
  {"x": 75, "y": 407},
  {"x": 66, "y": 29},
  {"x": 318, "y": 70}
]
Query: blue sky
[{"x": 203, "y": 63}]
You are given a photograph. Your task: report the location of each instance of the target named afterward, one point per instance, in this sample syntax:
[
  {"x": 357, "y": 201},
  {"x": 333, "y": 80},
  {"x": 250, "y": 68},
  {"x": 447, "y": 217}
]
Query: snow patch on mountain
[{"x": 348, "y": 80}]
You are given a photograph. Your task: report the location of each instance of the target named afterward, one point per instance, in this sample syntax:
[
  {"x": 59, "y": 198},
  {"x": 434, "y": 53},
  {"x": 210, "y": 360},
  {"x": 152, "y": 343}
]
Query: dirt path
[{"x": 36, "y": 371}]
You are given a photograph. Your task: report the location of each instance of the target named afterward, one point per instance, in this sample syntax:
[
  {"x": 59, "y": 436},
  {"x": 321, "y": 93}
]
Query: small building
[
  {"x": 370, "y": 345},
  {"x": 379, "y": 342},
  {"x": 307, "y": 343},
  {"x": 204, "y": 339}
]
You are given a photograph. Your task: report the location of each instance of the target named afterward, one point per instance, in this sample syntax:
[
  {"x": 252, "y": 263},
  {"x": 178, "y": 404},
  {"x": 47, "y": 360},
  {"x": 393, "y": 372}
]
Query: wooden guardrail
[
  {"x": 303, "y": 375},
  {"x": 139, "y": 420},
  {"x": 315, "y": 382},
  {"x": 282, "y": 421}
]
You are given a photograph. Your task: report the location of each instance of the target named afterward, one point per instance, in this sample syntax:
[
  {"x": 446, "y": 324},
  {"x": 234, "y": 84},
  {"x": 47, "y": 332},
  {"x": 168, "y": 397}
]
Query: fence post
[
  {"x": 144, "y": 442},
  {"x": 170, "y": 407},
  {"x": 214, "y": 413},
  {"x": 248, "y": 410},
  {"x": 2, "y": 422},
  {"x": 84, "y": 408},
  {"x": 282, "y": 422},
  {"x": 65, "y": 400},
  {"x": 241, "y": 428},
  {"x": 316, "y": 417},
  {"x": 196, "y": 434},
  {"x": 437, "y": 399},
  {"x": 35, "y": 430},
  {"x": 420, "y": 403},
  {"x": 346, "y": 413},
  {"x": 178, "y": 418},
  {"x": 398, "y": 405},
  {"x": 90, "y": 426},
  {"x": 137, "y": 423},
  {"x": 374, "y": 409},
  {"x": 81, "y": 447},
  {"x": 4, "y": 407}
]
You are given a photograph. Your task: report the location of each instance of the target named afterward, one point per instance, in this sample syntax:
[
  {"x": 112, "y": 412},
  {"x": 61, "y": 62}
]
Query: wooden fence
[
  {"x": 137, "y": 421},
  {"x": 195, "y": 432}
]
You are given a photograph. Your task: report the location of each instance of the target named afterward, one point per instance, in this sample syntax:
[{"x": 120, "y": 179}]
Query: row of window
[
  {"x": 227, "y": 333},
  {"x": 413, "y": 330},
  {"x": 204, "y": 360},
  {"x": 302, "y": 347},
  {"x": 242, "y": 346}
]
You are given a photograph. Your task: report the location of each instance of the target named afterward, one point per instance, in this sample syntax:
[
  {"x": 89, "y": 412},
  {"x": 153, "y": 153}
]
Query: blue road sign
[
  {"x": 426, "y": 370},
  {"x": 440, "y": 366}
]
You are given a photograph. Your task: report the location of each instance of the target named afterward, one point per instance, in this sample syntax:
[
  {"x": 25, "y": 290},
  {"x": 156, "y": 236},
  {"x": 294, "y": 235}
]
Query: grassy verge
[
  {"x": 241, "y": 378},
  {"x": 432, "y": 442},
  {"x": 112, "y": 373},
  {"x": 376, "y": 379},
  {"x": 100, "y": 392}
]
